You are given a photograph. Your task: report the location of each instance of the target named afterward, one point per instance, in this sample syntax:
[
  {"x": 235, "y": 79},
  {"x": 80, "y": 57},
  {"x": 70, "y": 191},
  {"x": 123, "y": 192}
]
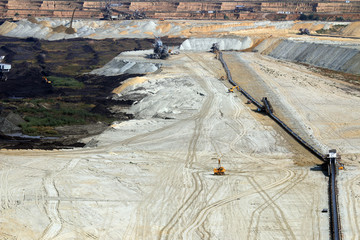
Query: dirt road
[{"x": 151, "y": 178}]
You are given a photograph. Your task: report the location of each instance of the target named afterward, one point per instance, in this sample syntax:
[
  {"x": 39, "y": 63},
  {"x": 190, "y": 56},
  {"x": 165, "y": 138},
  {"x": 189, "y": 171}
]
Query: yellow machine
[
  {"x": 233, "y": 88},
  {"x": 46, "y": 80},
  {"x": 220, "y": 170}
]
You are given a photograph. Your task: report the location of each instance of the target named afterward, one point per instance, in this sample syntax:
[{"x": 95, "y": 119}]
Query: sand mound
[
  {"x": 353, "y": 30},
  {"x": 129, "y": 82},
  {"x": 70, "y": 30},
  {"x": 309, "y": 25},
  {"x": 7, "y": 27},
  {"x": 164, "y": 27},
  {"x": 32, "y": 19},
  {"x": 46, "y": 23},
  {"x": 59, "y": 29}
]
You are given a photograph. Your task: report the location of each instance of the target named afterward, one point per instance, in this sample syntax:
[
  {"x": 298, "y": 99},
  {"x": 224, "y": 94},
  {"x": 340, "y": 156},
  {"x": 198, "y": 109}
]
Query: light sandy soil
[
  {"x": 151, "y": 178},
  {"x": 54, "y": 29},
  {"x": 323, "y": 111}
]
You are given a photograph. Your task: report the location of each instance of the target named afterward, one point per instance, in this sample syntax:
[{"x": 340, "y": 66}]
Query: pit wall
[
  {"x": 331, "y": 56},
  {"x": 205, "y": 44}
]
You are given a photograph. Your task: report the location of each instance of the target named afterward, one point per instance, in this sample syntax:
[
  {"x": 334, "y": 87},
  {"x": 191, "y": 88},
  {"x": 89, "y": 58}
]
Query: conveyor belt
[
  {"x": 228, "y": 74},
  {"x": 267, "y": 109},
  {"x": 291, "y": 132},
  {"x": 335, "y": 226},
  {"x": 334, "y": 216}
]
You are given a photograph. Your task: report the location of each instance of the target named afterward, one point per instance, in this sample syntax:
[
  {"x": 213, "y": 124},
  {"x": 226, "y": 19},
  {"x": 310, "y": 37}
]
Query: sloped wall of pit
[
  {"x": 344, "y": 58},
  {"x": 204, "y": 44}
]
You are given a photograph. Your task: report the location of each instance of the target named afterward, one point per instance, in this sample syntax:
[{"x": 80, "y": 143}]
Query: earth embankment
[{"x": 331, "y": 55}]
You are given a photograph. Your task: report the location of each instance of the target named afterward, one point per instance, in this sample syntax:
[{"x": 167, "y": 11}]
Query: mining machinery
[
  {"x": 4, "y": 68},
  {"x": 233, "y": 88},
  {"x": 304, "y": 31},
  {"x": 71, "y": 30},
  {"x": 219, "y": 170},
  {"x": 215, "y": 49},
  {"x": 161, "y": 51}
]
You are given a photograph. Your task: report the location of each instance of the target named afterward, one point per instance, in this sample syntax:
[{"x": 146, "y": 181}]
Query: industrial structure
[
  {"x": 4, "y": 68},
  {"x": 331, "y": 159},
  {"x": 161, "y": 51},
  {"x": 219, "y": 170}
]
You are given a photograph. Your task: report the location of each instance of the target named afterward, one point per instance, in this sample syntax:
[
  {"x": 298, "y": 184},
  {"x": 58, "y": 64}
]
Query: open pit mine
[{"x": 145, "y": 127}]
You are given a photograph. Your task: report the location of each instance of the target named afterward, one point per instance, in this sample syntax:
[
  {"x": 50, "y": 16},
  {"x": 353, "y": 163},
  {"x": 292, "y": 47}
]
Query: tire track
[
  {"x": 191, "y": 157},
  {"x": 270, "y": 202},
  {"x": 352, "y": 207},
  {"x": 204, "y": 212},
  {"x": 52, "y": 206},
  {"x": 52, "y": 210},
  {"x": 4, "y": 189}
]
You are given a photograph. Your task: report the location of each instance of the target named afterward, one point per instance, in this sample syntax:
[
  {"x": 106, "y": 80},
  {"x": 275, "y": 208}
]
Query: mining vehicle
[
  {"x": 233, "y": 88},
  {"x": 219, "y": 170},
  {"x": 4, "y": 68},
  {"x": 304, "y": 31},
  {"x": 161, "y": 51},
  {"x": 215, "y": 49}
]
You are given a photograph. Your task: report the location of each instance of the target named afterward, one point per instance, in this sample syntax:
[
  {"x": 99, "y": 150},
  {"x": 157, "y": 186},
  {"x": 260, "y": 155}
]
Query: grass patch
[
  {"x": 42, "y": 121},
  {"x": 65, "y": 82}
]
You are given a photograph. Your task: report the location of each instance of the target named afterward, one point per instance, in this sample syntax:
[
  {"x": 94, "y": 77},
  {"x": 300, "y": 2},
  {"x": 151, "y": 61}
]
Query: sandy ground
[
  {"x": 151, "y": 178},
  {"x": 54, "y": 29}
]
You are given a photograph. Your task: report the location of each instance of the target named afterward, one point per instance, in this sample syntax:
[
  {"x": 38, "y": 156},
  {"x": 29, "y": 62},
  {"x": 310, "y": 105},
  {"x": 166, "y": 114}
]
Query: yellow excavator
[
  {"x": 233, "y": 88},
  {"x": 220, "y": 170}
]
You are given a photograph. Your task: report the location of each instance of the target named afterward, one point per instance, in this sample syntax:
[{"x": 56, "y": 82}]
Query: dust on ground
[{"x": 162, "y": 162}]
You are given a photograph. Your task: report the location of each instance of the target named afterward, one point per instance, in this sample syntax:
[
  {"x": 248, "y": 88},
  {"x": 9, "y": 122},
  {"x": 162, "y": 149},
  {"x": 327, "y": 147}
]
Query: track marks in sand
[
  {"x": 52, "y": 203},
  {"x": 191, "y": 157},
  {"x": 52, "y": 209},
  {"x": 352, "y": 206},
  {"x": 270, "y": 202}
]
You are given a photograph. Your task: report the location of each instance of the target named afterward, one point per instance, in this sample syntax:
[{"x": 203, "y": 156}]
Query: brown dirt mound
[
  {"x": 60, "y": 29},
  {"x": 70, "y": 30},
  {"x": 353, "y": 30},
  {"x": 7, "y": 27},
  {"x": 32, "y": 19}
]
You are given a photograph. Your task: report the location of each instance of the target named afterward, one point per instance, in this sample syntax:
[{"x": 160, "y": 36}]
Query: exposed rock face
[{"x": 253, "y": 9}]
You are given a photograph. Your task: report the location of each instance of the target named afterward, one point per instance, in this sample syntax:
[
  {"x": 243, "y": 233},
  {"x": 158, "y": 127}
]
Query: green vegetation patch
[
  {"x": 65, "y": 82},
  {"x": 42, "y": 118}
]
